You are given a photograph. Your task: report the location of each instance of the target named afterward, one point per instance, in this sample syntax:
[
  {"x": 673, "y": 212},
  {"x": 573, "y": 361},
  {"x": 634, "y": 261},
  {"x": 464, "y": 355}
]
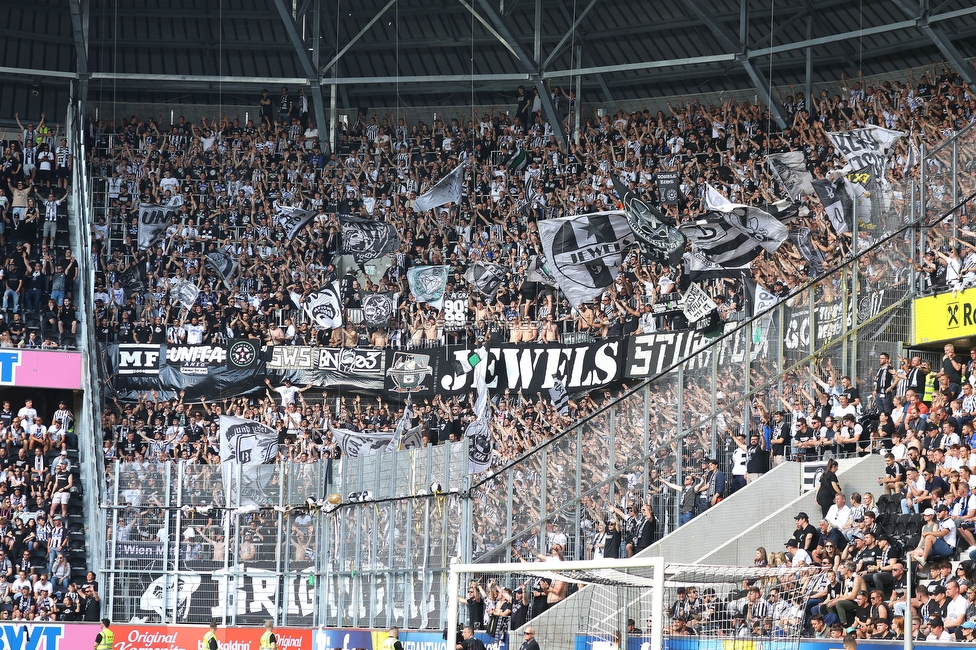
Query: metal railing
[{"x": 183, "y": 546}]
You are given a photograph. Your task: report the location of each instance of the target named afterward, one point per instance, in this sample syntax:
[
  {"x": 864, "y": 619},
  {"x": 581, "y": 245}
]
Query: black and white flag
[
  {"x": 669, "y": 187},
  {"x": 449, "y": 189},
  {"x": 153, "y": 222},
  {"x": 833, "y": 203},
  {"x": 362, "y": 443},
  {"x": 479, "y": 454},
  {"x": 323, "y": 306},
  {"x": 700, "y": 267},
  {"x": 293, "y": 219},
  {"x": 538, "y": 271},
  {"x": 734, "y": 235},
  {"x": 248, "y": 451},
  {"x": 658, "y": 238},
  {"x": 790, "y": 169},
  {"x": 697, "y": 304},
  {"x": 559, "y": 397},
  {"x": 224, "y": 264},
  {"x": 366, "y": 240},
  {"x": 427, "y": 283},
  {"x": 869, "y": 147},
  {"x": 486, "y": 277},
  {"x": 405, "y": 436},
  {"x": 911, "y": 159},
  {"x": 814, "y": 258},
  {"x": 526, "y": 206},
  {"x": 585, "y": 252},
  {"x": 183, "y": 292},
  {"x": 131, "y": 279},
  {"x": 378, "y": 308},
  {"x": 757, "y": 298}
]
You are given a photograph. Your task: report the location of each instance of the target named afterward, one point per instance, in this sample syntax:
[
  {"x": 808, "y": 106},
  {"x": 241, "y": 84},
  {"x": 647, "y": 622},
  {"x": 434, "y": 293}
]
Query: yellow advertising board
[{"x": 943, "y": 317}]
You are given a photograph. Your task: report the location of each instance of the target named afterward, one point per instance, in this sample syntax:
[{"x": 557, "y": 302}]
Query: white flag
[
  {"x": 248, "y": 451},
  {"x": 479, "y": 454},
  {"x": 866, "y": 148},
  {"x": 293, "y": 219},
  {"x": 697, "y": 304},
  {"x": 405, "y": 436},
  {"x": 585, "y": 252},
  {"x": 183, "y": 292},
  {"x": 714, "y": 198},
  {"x": 355, "y": 443},
  {"x": 447, "y": 190},
  {"x": 559, "y": 397},
  {"x": 790, "y": 170},
  {"x": 324, "y": 306},
  {"x": 427, "y": 284}
]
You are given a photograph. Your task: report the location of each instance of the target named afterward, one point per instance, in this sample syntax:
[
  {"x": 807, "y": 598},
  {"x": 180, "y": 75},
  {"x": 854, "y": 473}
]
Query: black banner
[
  {"x": 651, "y": 354},
  {"x": 668, "y": 185},
  {"x": 202, "y": 588},
  {"x": 206, "y": 370},
  {"x": 413, "y": 372},
  {"x": 533, "y": 368}
]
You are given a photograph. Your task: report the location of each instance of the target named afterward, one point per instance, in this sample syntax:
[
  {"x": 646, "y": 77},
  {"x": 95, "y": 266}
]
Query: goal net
[{"x": 636, "y": 604}]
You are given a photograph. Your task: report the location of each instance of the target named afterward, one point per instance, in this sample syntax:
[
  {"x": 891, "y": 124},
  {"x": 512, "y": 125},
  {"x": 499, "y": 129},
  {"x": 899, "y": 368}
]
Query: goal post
[
  {"x": 646, "y": 574},
  {"x": 644, "y": 604}
]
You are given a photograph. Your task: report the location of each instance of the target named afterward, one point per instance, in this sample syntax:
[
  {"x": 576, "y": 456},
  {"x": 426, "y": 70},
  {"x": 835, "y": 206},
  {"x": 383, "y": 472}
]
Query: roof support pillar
[
  {"x": 507, "y": 35},
  {"x": 731, "y": 43}
]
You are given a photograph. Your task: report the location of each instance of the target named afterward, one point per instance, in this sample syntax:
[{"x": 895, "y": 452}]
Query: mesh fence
[{"x": 180, "y": 550}]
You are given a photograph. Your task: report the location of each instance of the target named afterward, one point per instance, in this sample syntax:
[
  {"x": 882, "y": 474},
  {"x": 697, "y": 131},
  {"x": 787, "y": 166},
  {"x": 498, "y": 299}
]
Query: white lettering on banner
[
  {"x": 651, "y": 354},
  {"x": 196, "y": 359},
  {"x": 138, "y": 359},
  {"x": 151, "y": 638},
  {"x": 286, "y": 357},
  {"x": 17, "y": 636},
  {"x": 264, "y": 584},
  {"x": 351, "y": 360},
  {"x": 196, "y": 354},
  {"x": 538, "y": 367},
  {"x": 455, "y": 311}
]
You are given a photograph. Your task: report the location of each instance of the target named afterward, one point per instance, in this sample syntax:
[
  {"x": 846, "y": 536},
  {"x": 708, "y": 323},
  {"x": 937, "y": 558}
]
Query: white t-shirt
[
  {"x": 802, "y": 558},
  {"x": 194, "y": 334},
  {"x": 287, "y": 393},
  {"x": 956, "y": 607},
  {"x": 950, "y": 525},
  {"x": 838, "y": 517}
]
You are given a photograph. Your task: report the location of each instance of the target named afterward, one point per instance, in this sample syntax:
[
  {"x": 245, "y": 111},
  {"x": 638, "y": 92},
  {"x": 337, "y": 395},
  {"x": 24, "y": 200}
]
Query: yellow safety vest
[
  {"x": 929, "y": 388},
  {"x": 389, "y": 643},
  {"x": 108, "y": 640},
  {"x": 206, "y": 639},
  {"x": 266, "y": 640}
]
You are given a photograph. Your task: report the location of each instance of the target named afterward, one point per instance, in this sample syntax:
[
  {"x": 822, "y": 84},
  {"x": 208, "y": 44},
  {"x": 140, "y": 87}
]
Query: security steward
[
  {"x": 210, "y": 638},
  {"x": 268, "y": 640},
  {"x": 392, "y": 641},
  {"x": 105, "y": 639}
]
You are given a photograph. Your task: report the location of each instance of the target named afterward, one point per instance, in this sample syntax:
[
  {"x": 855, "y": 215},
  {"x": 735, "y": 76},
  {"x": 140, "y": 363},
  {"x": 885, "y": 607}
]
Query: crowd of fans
[
  {"x": 38, "y": 276},
  {"x": 230, "y": 177},
  {"x": 37, "y": 484}
]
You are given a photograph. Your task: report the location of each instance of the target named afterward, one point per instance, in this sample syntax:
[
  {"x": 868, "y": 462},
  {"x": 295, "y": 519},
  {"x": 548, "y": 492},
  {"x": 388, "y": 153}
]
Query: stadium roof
[{"x": 459, "y": 52}]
